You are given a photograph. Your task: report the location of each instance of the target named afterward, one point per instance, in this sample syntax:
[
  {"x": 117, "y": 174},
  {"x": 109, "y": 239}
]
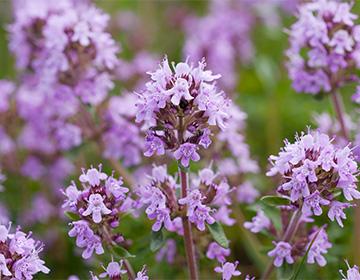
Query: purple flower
[
  {"x": 6, "y": 89},
  {"x": 113, "y": 270},
  {"x": 352, "y": 272},
  {"x": 258, "y": 223},
  {"x": 320, "y": 49},
  {"x": 200, "y": 216},
  {"x": 205, "y": 139},
  {"x": 306, "y": 163},
  {"x": 93, "y": 243},
  {"x": 162, "y": 217},
  {"x": 246, "y": 193},
  {"x": 72, "y": 194},
  {"x": 96, "y": 208},
  {"x": 153, "y": 145},
  {"x": 223, "y": 37},
  {"x": 281, "y": 252},
  {"x": 19, "y": 256},
  {"x": 215, "y": 251},
  {"x": 3, "y": 267},
  {"x": 313, "y": 203},
  {"x": 319, "y": 247},
  {"x": 82, "y": 232},
  {"x": 228, "y": 270},
  {"x": 93, "y": 176},
  {"x": 114, "y": 187},
  {"x": 141, "y": 275},
  {"x": 336, "y": 211},
  {"x": 168, "y": 251},
  {"x": 181, "y": 94},
  {"x": 186, "y": 152}
]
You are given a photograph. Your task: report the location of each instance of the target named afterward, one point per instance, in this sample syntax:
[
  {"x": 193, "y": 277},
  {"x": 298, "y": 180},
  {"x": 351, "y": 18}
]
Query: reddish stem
[{"x": 188, "y": 239}]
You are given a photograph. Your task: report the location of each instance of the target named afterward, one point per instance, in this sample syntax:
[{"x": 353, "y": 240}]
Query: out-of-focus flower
[{"x": 324, "y": 46}]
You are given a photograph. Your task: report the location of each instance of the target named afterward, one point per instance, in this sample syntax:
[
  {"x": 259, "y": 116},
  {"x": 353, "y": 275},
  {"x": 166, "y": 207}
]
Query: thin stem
[
  {"x": 188, "y": 239},
  {"x": 288, "y": 235},
  {"x": 340, "y": 113},
  {"x": 129, "y": 269}
]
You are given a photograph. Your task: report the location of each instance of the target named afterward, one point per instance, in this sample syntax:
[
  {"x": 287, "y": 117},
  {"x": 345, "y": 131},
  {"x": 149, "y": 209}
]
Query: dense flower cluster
[
  {"x": 313, "y": 170},
  {"x": 232, "y": 138},
  {"x": 65, "y": 44},
  {"x": 99, "y": 206},
  {"x": 324, "y": 46},
  {"x": 222, "y": 37},
  {"x": 178, "y": 107},
  {"x": 19, "y": 255},
  {"x": 159, "y": 198},
  {"x": 122, "y": 138}
]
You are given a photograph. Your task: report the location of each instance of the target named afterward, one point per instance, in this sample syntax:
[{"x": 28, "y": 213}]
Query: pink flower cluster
[
  {"x": 65, "y": 44},
  {"x": 99, "y": 206},
  {"x": 19, "y": 255},
  {"x": 178, "y": 107},
  {"x": 324, "y": 46},
  {"x": 314, "y": 170}
]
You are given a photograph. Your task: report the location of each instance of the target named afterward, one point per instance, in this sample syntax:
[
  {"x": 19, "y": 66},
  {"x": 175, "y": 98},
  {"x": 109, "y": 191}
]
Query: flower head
[
  {"x": 281, "y": 252},
  {"x": 228, "y": 270}
]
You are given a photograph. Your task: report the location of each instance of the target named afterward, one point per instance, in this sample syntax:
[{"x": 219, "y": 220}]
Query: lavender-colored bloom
[
  {"x": 182, "y": 94},
  {"x": 6, "y": 89},
  {"x": 319, "y": 247},
  {"x": 222, "y": 215},
  {"x": 313, "y": 203},
  {"x": 3, "y": 267},
  {"x": 93, "y": 176},
  {"x": 320, "y": 51},
  {"x": 223, "y": 37},
  {"x": 185, "y": 153},
  {"x": 33, "y": 168},
  {"x": 196, "y": 211},
  {"x": 168, "y": 252},
  {"x": 228, "y": 270},
  {"x": 281, "y": 252},
  {"x": 123, "y": 139},
  {"x": 153, "y": 145},
  {"x": 215, "y": 251},
  {"x": 81, "y": 231},
  {"x": 113, "y": 270},
  {"x": 96, "y": 208},
  {"x": 72, "y": 194},
  {"x": 258, "y": 223},
  {"x": 20, "y": 254},
  {"x": 312, "y": 165},
  {"x": 141, "y": 275},
  {"x": 336, "y": 211},
  {"x": 246, "y": 193},
  {"x": 65, "y": 45},
  {"x": 93, "y": 243},
  {"x": 352, "y": 272}
]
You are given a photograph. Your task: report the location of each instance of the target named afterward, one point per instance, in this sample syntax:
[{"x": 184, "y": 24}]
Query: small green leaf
[
  {"x": 72, "y": 216},
  {"x": 218, "y": 234},
  {"x": 297, "y": 272},
  {"x": 275, "y": 200},
  {"x": 122, "y": 252},
  {"x": 157, "y": 240}
]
